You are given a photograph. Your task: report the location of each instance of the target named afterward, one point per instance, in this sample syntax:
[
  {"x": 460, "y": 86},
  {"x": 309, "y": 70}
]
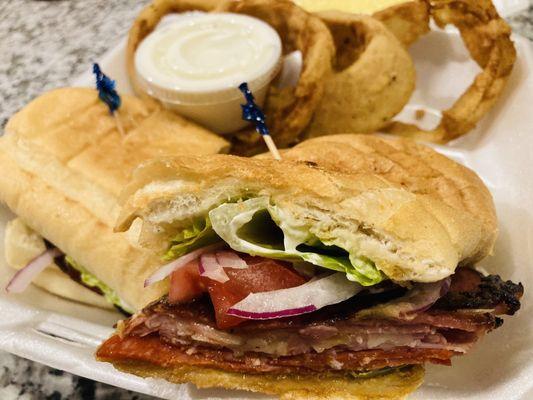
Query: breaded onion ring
[
  {"x": 407, "y": 21},
  {"x": 372, "y": 80},
  {"x": 289, "y": 110},
  {"x": 487, "y": 38}
]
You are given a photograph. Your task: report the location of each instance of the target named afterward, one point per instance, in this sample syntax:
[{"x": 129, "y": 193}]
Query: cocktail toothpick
[
  {"x": 108, "y": 94},
  {"x": 252, "y": 112}
]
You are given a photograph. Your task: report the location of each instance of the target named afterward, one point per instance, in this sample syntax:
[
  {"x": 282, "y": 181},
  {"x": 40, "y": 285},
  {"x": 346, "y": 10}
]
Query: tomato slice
[
  {"x": 262, "y": 275},
  {"x": 185, "y": 283}
]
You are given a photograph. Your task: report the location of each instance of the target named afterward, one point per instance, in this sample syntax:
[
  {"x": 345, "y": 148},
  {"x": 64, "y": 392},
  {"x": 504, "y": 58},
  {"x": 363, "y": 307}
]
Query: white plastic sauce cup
[{"x": 195, "y": 63}]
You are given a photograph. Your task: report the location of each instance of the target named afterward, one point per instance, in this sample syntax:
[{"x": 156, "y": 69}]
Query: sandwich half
[
  {"x": 64, "y": 164},
  {"x": 334, "y": 273}
]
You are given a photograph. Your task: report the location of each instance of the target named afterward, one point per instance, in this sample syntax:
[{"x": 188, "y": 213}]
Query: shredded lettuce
[
  {"x": 90, "y": 280},
  {"x": 256, "y": 227},
  {"x": 199, "y": 234}
]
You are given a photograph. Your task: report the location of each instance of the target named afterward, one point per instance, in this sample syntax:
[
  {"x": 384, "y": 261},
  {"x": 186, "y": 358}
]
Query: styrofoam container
[{"x": 64, "y": 335}]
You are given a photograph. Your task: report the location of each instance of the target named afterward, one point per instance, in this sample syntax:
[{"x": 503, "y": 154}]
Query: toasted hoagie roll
[
  {"x": 348, "y": 259},
  {"x": 64, "y": 164}
]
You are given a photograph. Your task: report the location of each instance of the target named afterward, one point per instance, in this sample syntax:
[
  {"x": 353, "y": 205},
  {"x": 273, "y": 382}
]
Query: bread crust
[
  {"x": 396, "y": 385},
  {"x": 414, "y": 166},
  {"x": 65, "y": 165},
  {"x": 417, "y": 234}
]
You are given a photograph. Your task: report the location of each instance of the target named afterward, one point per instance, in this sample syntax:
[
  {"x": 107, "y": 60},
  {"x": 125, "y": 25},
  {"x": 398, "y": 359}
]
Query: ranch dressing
[{"x": 195, "y": 63}]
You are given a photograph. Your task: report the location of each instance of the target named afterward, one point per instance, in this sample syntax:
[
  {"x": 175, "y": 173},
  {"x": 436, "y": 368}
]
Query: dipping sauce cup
[{"x": 195, "y": 64}]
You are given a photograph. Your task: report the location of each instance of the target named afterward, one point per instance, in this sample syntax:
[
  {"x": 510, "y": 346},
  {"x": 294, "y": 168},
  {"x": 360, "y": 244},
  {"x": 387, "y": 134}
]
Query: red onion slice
[
  {"x": 302, "y": 299},
  {"x": 422, "y": 296},
  {"x": 417, "y": 299},
  {"x": 211, "y": 268},
  {"x": 20, "y": 281},
  {"x": 272, "y": 314},
  {"x": 180, "y": 262},
  {"x": 230, "y": 259}
]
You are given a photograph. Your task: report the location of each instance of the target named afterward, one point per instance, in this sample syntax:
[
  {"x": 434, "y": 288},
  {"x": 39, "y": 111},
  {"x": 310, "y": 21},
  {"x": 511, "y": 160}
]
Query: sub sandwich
[
  {"x": 64, "y": 164},
  {"x": 334, "y": 273}
]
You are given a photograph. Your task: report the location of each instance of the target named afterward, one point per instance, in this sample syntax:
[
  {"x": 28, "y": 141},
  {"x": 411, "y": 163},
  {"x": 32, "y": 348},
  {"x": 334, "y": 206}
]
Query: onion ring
[
  {"x": 407, "y": 21},
  {"x": 324, "y": 97},
  {"x": 372, "y": 80},
  {"x": 487, "y": 37}
]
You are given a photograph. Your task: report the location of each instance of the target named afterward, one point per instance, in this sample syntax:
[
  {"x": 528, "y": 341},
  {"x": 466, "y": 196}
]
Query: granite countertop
[{"x": 44, "y": 45}]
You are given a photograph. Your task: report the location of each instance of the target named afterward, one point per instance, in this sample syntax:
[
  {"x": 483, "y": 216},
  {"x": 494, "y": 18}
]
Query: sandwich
[
  {"x": 335, "y": 273},
  {"x": 64, "y": 164}
]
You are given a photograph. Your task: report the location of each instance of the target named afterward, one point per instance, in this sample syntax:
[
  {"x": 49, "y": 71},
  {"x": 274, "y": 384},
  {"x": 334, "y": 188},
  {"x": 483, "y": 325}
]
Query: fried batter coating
[
  {"x": 372, "y": 79},
  {"x": 487, "y": 38}
]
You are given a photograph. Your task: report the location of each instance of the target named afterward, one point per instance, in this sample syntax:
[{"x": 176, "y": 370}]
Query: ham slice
[
  {"x": 193, "y": 324},
  {"x": 335, "y": 337}
]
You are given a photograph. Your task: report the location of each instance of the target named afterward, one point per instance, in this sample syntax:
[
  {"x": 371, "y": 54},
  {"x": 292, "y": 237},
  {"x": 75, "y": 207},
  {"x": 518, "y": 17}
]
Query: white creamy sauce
[{"x": 205, "y": 52}]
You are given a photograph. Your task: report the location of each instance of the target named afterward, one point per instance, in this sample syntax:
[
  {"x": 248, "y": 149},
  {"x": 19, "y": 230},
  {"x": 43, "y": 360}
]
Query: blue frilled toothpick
[
  {"x": 108, "y": 94},
  {"x": 252, "y": 112}
]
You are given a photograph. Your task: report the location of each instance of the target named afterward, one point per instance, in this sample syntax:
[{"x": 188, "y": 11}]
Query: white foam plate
[{"x": 64, "y": 335}]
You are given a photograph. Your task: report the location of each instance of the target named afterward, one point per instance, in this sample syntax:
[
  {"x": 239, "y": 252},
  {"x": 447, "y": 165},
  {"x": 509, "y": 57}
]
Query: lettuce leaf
[
  {"x": 199, "y": 234},
  {"x": 90, "y": 280},
  {"x": 256, "y": 227}
]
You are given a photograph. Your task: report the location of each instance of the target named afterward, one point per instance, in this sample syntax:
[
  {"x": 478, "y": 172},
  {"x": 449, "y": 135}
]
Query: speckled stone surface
[
  {"x": 24, "y": 380},
  {"x": 43, "y": 45}
]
